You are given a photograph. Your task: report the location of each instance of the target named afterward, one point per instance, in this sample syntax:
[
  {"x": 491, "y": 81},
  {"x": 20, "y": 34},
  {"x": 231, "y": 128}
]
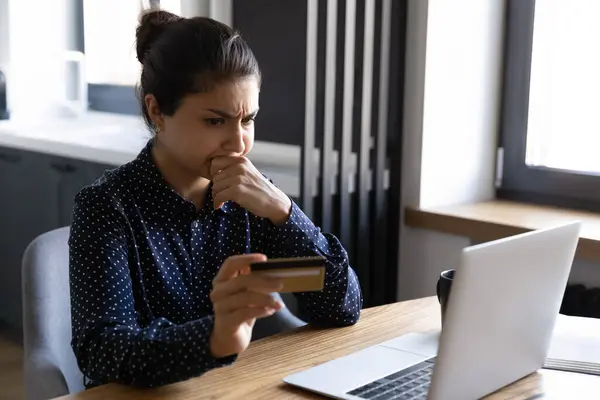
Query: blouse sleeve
[{"x": 340, "y": 302}]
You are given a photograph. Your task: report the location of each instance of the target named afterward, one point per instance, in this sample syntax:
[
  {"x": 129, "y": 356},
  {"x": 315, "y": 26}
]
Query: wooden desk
[{"x": 258, "y": 372}]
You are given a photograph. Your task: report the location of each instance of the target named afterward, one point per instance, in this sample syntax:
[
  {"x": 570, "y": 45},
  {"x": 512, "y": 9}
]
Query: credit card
[{"x": 300, "y": 274}]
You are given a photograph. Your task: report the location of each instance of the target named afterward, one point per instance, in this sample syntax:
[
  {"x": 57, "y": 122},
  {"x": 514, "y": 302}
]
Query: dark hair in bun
[
  {"x": 182, "y": 56},
  {"x": 152, "y": 24}
]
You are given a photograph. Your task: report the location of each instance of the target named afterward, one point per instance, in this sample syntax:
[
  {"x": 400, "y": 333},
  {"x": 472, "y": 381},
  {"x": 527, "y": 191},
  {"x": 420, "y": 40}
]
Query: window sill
[{"x": 497, "y": 219}]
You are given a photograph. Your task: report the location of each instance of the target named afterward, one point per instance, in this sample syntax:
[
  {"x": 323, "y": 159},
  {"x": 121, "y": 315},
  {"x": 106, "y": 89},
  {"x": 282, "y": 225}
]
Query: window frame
[{"x": 517, "y": 180}]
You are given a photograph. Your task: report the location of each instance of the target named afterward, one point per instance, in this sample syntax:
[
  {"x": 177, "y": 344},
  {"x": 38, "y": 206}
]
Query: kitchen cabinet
[
  {"x": 37, "y": 192},
  {"x": 28, "y": 207}
]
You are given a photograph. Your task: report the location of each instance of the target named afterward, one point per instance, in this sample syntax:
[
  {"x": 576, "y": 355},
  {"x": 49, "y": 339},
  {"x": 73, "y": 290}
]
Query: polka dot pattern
[{"x": 142, "y": 261}]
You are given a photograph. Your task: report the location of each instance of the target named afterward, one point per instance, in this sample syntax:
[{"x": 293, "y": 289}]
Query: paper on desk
[{"x": 576, "y": 339}]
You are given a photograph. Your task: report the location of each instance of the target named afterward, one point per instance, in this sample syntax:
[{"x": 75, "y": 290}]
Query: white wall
[
  {"x": 462, "y": 100},
  {"x": 452, "y": 99},
  {"x": 451, "y": 114}
]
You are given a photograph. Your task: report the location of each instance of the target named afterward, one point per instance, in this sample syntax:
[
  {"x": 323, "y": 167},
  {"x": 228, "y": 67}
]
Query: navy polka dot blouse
[{"x": 142, "y": 261}]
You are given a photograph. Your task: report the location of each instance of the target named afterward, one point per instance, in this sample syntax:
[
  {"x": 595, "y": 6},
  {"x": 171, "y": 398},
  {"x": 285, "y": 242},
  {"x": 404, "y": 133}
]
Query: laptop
[{"x": 500, "y": 315}]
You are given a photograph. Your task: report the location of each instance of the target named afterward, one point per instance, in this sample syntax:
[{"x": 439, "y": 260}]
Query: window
[
  {"x": 109, "y": 41},
  {"x": 110, "y": 53},
  {"x": 551, "y": 107}
]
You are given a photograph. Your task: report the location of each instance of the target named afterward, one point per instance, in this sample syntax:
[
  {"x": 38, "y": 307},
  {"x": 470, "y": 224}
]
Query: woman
[{"x": 160, "y": 247}]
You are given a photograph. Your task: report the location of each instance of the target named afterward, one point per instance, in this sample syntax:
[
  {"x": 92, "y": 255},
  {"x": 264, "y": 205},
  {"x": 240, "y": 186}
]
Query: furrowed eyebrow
[{"x": 225, "y": 114}]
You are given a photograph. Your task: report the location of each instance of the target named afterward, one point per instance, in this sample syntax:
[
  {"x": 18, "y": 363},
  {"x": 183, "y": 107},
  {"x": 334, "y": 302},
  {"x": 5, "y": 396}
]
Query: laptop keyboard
[{"x": 409, "y": 384}]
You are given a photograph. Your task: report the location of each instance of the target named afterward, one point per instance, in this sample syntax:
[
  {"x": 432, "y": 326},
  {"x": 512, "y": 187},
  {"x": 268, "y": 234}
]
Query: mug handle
[
  {"x": 81, "y": 104},
  {"x": 437, "y": 288}
]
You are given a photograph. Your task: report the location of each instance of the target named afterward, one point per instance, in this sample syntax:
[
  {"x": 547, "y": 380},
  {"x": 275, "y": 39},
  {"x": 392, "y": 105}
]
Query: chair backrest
[{"x": 50, "y": 366}]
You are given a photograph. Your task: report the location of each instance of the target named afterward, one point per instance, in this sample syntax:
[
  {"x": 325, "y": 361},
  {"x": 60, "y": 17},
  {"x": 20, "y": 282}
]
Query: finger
[
  {"x": 219, "y": 163},
  {"x": 232, "y": 265},
  {"x": 246, "y": 299},
  {"x": 231, "y": 193},
  {"x": 222, "y": 162},
  {"x": 222, "y": 184},
  {"x": 242, "y": 315},
  {"x": 238, "y": 169},
  {"x": 243, "y": 283}
]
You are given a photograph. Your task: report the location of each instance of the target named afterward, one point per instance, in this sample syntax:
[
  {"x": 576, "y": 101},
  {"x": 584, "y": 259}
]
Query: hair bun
[{"x": 152, "y": 24}]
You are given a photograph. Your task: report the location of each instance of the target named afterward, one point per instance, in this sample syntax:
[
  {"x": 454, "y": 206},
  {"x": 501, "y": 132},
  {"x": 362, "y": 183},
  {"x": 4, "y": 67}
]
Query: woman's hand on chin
[{"x": 236, "y": 179}]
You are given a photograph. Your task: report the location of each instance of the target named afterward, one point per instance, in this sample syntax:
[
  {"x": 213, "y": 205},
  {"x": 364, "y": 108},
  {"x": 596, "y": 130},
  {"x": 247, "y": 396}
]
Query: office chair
[{"x": 50, "y": 367}]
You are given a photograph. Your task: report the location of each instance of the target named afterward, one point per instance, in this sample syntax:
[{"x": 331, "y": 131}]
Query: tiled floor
[{"x": 11, "y": 368}]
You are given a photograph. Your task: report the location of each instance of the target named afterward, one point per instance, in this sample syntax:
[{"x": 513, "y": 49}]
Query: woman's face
[{"x": 207, "y": 125}]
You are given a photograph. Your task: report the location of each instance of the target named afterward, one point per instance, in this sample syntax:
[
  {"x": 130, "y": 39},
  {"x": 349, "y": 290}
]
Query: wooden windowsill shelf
[{"x": 496, "y": 219}]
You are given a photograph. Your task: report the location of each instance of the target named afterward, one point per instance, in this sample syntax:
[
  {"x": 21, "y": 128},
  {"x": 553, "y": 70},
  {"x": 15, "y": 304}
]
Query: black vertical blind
[
  {"x": 333, "y": 82},
  {"x": 359, "y": 192}
]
